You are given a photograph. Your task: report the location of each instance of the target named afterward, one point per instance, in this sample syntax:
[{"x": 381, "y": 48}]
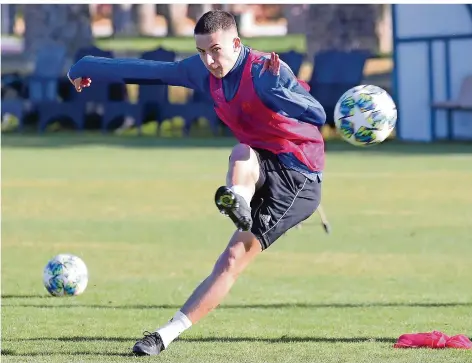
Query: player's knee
[
  {"x": 242, "y": 152},
  {"x": 244, "y": 163}
]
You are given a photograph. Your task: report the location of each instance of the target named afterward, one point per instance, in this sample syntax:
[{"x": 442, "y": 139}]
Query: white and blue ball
[
  {"x": 365, "y": 115},
  {"x": 65, "y": 275}
]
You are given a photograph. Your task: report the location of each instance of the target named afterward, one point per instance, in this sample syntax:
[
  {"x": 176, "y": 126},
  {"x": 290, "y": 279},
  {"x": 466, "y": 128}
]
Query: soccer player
[{"x": 274, "y": 175}]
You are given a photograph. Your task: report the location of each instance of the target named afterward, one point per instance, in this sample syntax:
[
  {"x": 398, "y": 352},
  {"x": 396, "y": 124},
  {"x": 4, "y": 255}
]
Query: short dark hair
[{"x": 215, "y": 20}]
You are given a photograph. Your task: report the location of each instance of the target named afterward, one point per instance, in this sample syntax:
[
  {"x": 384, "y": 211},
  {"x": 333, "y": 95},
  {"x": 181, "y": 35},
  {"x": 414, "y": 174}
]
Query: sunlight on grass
[{"x": 141, "y": 215}]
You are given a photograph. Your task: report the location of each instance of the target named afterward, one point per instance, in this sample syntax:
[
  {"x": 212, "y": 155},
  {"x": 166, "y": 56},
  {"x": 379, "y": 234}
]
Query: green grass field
[
  {"x": 141, "y": 215},
  {"x": 187, "y": 44}
]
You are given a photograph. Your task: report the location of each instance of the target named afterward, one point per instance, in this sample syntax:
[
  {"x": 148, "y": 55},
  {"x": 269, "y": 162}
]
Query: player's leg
[
  {"x": 243, "y": 174},
  {"x": 241, "y": 250},
  {"x": 235, "y": 197},
  {"x": 284, "y": 199}
]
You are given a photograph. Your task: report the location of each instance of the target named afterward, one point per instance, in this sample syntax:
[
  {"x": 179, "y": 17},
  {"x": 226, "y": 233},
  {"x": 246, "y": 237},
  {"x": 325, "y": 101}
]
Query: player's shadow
[
  {"x": 32, "y": 296},
  {"x": 289, "y": 339},
  {"x": 220, "y": 339},
  {"x": 252, "y": 306},
  {"x": 14, "y": 353}
]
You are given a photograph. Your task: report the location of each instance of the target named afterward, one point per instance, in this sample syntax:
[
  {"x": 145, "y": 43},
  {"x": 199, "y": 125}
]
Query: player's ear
[{"x": 236, "y": 44}]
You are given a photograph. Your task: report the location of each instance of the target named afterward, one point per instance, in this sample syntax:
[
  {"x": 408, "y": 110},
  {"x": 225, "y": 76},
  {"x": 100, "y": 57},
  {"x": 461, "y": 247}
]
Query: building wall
[{"x": 432, "y": 54}]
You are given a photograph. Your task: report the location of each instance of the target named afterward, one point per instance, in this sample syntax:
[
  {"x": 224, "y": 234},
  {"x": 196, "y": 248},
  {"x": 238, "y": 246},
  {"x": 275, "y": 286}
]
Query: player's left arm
[{"x": 280, "y": 90}]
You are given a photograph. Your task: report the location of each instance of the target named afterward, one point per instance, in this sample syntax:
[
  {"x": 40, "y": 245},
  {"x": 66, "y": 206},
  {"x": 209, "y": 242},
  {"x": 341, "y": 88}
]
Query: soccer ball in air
[
  {"x": 65, "y": 275},
  {"x": 365, "y": 115}
]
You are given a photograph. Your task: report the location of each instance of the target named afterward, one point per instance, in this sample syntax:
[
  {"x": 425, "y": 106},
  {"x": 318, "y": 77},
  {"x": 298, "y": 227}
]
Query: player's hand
[
  {"x": 80, "y": 83},
  {"x": 272, "y": 64}
]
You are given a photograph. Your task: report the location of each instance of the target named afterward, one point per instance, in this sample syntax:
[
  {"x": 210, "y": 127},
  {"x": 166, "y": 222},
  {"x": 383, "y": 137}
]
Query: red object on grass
[
  {"x": 435, "y": 340},
  {"x": 459, "y": 341}
]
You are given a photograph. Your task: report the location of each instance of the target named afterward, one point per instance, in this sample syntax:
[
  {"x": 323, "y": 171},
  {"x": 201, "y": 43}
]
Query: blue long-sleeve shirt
[{"x": 282, "y": 94}]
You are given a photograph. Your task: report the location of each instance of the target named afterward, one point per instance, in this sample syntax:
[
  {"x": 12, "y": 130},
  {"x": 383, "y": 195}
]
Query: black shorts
[{"x": 283, "y": 199}]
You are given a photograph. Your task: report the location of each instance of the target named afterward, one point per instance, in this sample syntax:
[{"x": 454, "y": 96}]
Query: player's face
[{"x": 219, "y": 51}]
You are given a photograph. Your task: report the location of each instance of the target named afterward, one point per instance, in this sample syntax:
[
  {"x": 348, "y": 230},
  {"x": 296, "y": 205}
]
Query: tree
[
  {"x": 68, "y": 25},
  {"x": 343, "y": 27},
  {"x": 124, "y": 19}
]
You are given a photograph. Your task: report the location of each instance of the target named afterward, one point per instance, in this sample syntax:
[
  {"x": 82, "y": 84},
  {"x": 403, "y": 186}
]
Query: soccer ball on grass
[
  {"x": 65, "y": 275},
  {"x": 365, "y": 115}
]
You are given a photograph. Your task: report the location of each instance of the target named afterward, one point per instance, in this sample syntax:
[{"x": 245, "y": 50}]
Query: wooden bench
[{"x": 462, "y": 103}]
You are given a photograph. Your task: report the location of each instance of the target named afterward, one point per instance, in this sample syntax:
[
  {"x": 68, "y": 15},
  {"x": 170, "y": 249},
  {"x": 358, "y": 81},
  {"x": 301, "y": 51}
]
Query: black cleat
[
  {"x": 151, "y": 344},
  {"x": 235, "y": 207}
]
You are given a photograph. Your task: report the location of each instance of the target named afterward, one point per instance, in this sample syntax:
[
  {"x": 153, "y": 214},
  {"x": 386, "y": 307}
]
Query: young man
[{"x": 274, "y": 177}]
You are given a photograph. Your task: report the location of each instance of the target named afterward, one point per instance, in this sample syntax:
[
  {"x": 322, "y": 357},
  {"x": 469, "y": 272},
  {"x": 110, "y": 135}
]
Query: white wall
[
  {"x": 426, "y": 38},
  {"x": 432, "y": 20}
]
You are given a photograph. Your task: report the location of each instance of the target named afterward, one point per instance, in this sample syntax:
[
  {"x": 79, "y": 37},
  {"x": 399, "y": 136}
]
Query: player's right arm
[{"x": 189, "y": 72}]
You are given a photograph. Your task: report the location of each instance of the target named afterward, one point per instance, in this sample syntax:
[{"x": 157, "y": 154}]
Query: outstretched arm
[
  {"x": 186, "y": 73},
  {"x": 280, "y": 90}
]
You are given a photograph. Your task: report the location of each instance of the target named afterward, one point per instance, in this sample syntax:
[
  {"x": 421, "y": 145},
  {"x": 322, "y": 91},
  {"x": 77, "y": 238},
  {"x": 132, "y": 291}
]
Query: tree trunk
[
  {"x": 68, "y": 25},
  {"x": 177, "y": 15},
  {"x": 122, "y": 20},
  {"x": 296, "y": 16},
  {"x": 342, "y": 27},
  {"x": 8, "y": 13},
  {"x": 195, "y": 11},
  {"x": 147, "y": 18}
]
